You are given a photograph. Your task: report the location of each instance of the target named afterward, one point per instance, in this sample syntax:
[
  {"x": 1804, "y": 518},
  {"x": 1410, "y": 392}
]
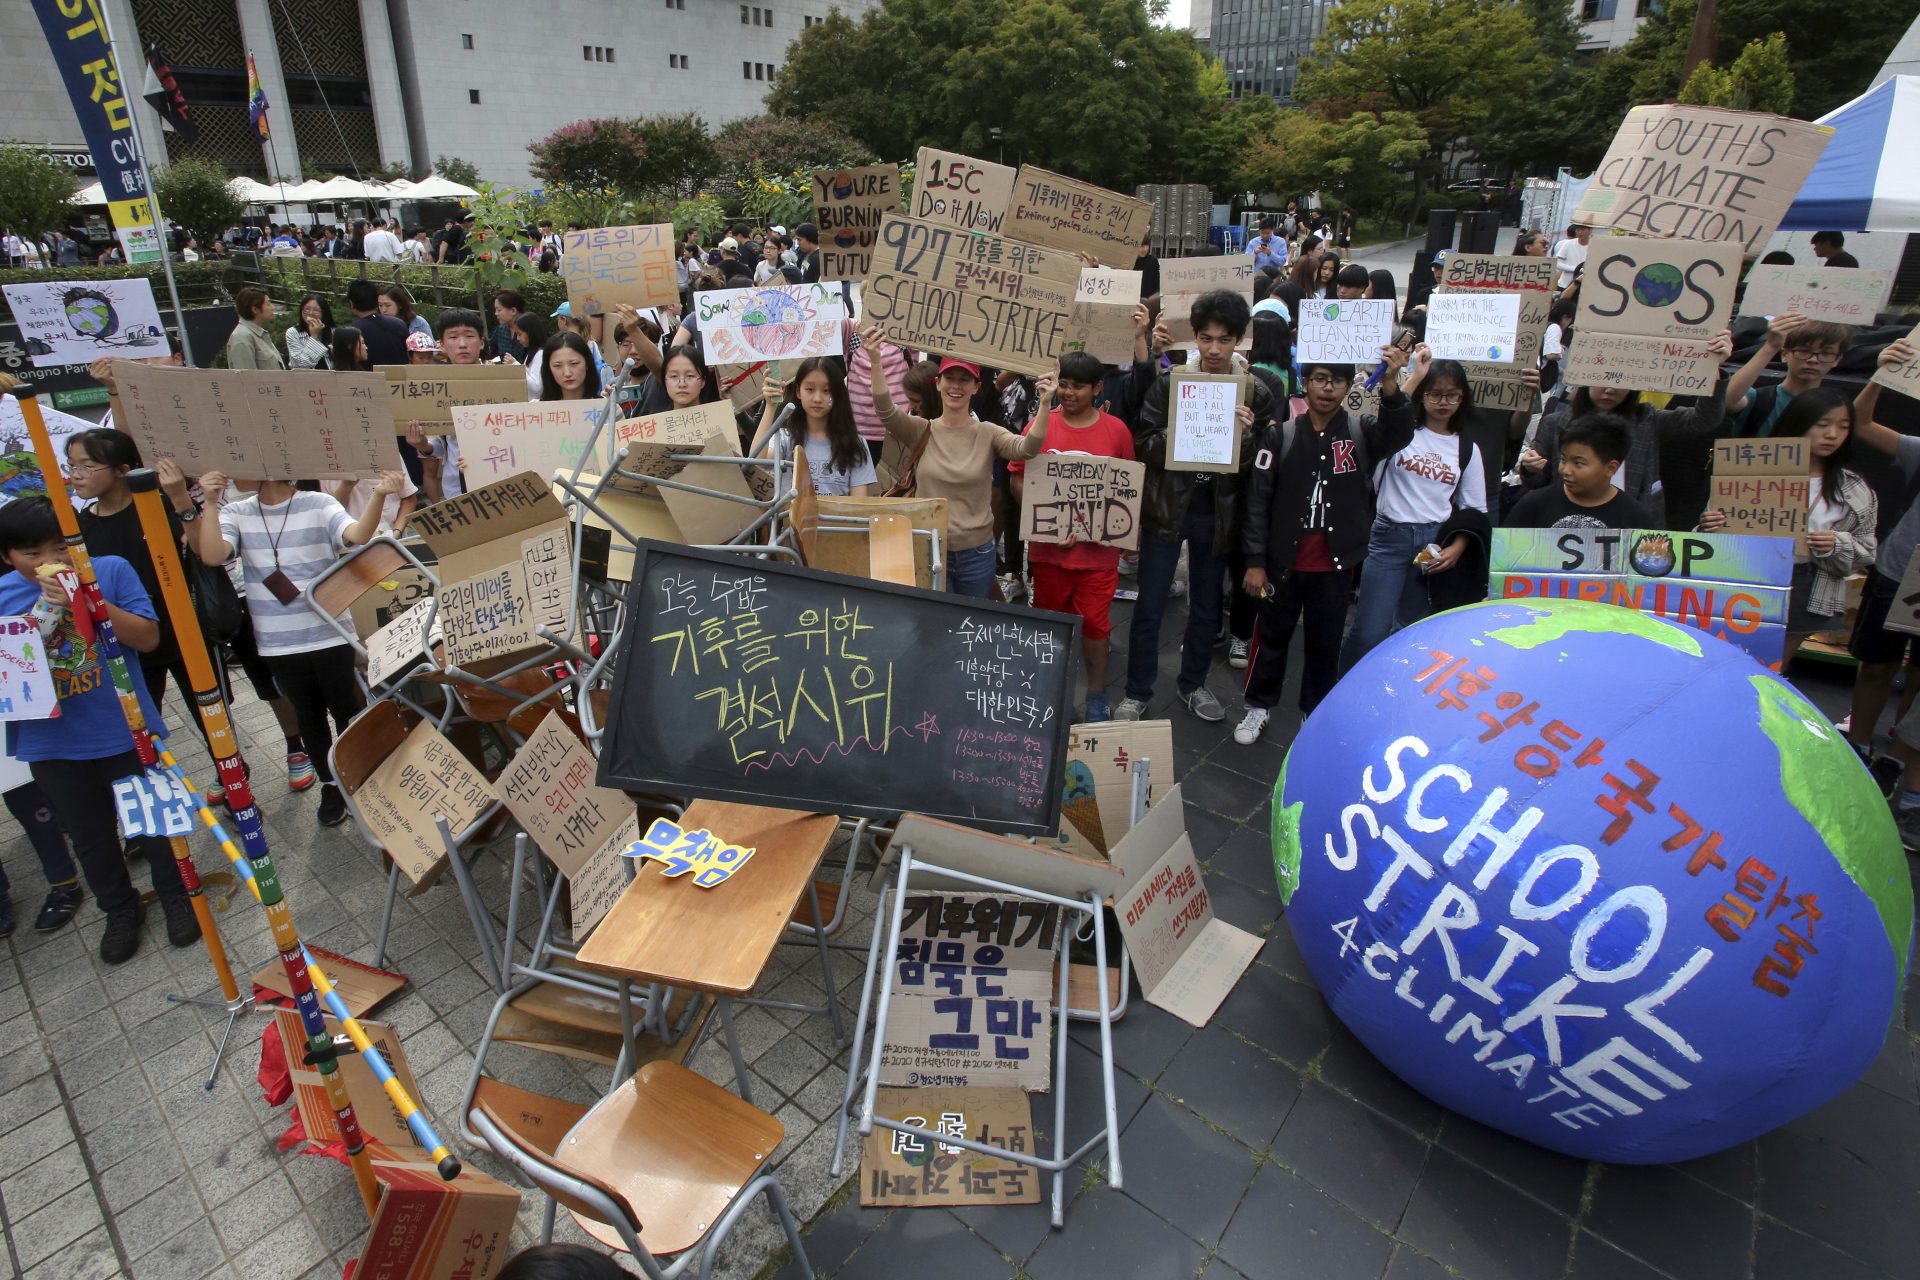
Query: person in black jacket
[
  {"x": 1309, "y": 505},
  {"x": 1194, "y": 507}
]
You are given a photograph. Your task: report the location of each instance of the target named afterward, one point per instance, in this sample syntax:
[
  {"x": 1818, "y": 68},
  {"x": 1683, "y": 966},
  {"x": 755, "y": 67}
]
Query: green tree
[
  {"x": 1224, "y": 133},
  {"x": 593, "y": 154},
  {"x": 1760, "y": 79},
  {"x": 195, "y": 194},
  {"x": 33, "y": 193},
  {"x": 677, "y": 154},
  {"x": 1357, "y": 160},
  {"x": 1453, "y": 65},
  {"x": 454, "y": 169}
]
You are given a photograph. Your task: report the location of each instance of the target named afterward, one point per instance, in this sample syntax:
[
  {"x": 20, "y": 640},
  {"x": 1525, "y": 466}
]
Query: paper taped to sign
[
  {"x": 771, "y": 322},
  {"x": 500, "y": 440},
  {"x": 1344, "y": 331},
  {"x": 1203, "y": 422},
  {"x": 1499, "y": 386},
  {"x": 1474, "y": 326},
  {"x": 26, "y": 675},
  {"x": 1111, "y": 284},
  {"x": 1702, "y": 173}
]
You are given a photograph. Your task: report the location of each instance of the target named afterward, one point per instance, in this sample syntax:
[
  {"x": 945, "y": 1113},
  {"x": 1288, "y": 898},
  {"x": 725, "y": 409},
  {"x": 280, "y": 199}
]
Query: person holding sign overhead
[
  {"x": 1199, "y": 508},
  {"x": 952, "y": 455},
  {"x": 1810, "y": 349},
  {"x": 819, "y": 428},
  {"x": 1842, "y": 514}
]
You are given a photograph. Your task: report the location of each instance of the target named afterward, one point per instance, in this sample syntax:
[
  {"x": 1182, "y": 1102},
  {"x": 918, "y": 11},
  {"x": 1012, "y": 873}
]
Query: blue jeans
[
  {"x": 30, "y": 809},
  {"x": 1393, "y": 593},
  {"x": 1159, "y": 557},
  {"x": 970, "y": 572}
]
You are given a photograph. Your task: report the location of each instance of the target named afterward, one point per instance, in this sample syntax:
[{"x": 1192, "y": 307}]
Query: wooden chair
[
  {"x": 662, "y": 1167},
  {"x": 360, "y": 749}
]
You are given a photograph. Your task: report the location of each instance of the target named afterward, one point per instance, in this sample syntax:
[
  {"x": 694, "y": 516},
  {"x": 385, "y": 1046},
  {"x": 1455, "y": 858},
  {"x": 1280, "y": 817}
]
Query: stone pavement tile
[
  {"x": 1143, "y": 1042},
  {"x": 53, "y": 1226},
  {"x": 1781, "y": 1253},
  {"x": 1183, "y": 1170},
  {"x": 789, "y": 1064},
  {"x": 91, "y": 1257},
  {"x": 43, "y": 1181},
  {"x": 1243, "y": 906},
  {"x": 820, "y": 1097},
  {"x": 1351, "y": 1068},
  {"x": 939, "y": 1245},
  {"x": 1286, "y": 1226},
  {"x": 258, "y": 1212},
  {"x": 1353, "y": 1153},
  {"x": 142, "y": 1173},
  {"x": 1218, "y": 789},
  {"x": 1016, "y": 1230},
  {"x": 1287, "y": 1018},
  {"x": 83, "y": 1036},
  {"x": 43, "y": 1135},
  {"x": 109, "y": 1144},
  {"x": 1595, "y": 1259},
  {"x": 1109, "y": 1234},
  {"x": 1410, "y": 1264},
  {"x": 28, "y": 1102},
  {"x": 1232, "y": 1084},
  {"x": 805, "y": 1173},
  {"x": 1556, "y": 1181},
  {"x": 145, "y": 1226},
  {"x": 72, "y": 1005},
  {"x": 1086, "y": 1104},
  {"x": 22, "y": 1063},
  {"x": 1247, "y": 856},
  {"x": 233, "y": 1169},
  {"x": 1894, "y": 1071},
  {"x": 193, "y": 1252},
  {"x": 1207, "y": 830},
  {"x": 285, "y": 1254},
  {"x": 1481, "y": 1227},
  {"x": 1882, "y": 1131},
  {"x": 1734, "y": 1172},
  {"x": 1828, "y": 1194}
]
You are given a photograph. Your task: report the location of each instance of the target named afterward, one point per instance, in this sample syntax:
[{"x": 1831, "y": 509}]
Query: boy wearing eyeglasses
[
  {"x": 1810, "y": 349},
  {"x": 1309, "y": 510}
]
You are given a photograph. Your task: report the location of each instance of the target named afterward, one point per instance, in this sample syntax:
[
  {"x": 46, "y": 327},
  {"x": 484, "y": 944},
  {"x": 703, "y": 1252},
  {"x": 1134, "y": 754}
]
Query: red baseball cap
[{"x": 950, "y": 363}]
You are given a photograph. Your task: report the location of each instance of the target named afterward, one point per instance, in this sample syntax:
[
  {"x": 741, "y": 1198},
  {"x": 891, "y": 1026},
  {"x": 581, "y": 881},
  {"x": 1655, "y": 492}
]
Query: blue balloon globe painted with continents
[{"x": 1594, "y": 879}]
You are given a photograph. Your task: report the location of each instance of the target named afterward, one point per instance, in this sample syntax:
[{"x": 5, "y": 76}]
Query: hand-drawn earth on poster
[{"x": 1594, "y": 879}]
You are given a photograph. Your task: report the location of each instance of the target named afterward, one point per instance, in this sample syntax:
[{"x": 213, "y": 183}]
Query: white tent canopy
[
  {"x": 434, "y": 187},
  {"x": 92, "y": 193},
  {"x": 1866, "y": 180}
]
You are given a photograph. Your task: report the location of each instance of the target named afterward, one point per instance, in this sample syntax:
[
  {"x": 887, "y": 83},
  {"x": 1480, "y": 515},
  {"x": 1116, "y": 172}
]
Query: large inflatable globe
[{"x": 1594, "y": 879}]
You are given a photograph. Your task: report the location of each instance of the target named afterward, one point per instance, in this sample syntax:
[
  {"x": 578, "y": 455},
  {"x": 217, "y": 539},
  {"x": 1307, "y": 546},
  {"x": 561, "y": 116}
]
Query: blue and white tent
[{"x": 1866, "y": 179}]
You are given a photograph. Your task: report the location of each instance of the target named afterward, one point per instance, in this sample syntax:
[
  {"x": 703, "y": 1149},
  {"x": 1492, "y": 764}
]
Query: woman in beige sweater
[{"x": 957, "y": 460}]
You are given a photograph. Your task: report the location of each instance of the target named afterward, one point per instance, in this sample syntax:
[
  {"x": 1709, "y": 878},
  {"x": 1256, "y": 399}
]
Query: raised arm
[
  {"x": 1740, "y": 385},
  {"x": 203, "y": 534},
  {"x": 896, "y": 420},
  {"x": 1874, "y": 435},
  {"x": 361, "y": 531}
]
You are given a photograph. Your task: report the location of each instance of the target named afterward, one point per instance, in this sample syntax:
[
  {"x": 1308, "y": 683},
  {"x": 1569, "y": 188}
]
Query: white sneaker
[
  {"x": 1176, "y": 588},
  {"x": 1011, "y": 587},
  {"x": 1251, "y": 726},
  {"x": 1237, "y": 653},
  {"x": 1129, "y": 564},
  {"x": 1130, "y": 709}
]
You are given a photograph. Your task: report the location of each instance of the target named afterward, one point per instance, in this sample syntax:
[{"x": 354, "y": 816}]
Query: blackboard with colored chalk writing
[{"x": 763, "y": 683}]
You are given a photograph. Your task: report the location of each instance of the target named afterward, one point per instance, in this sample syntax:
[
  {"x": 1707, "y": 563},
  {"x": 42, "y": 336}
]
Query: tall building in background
[
  {"x": 1261, "y": 42},
  {"x": 1608, "y": 24},
  {"x": 360, "y": 84}
]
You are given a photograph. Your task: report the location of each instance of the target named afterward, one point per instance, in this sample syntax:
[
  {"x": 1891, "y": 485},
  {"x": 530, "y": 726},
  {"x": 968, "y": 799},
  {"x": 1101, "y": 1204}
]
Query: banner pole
[{"x": 153, "y": 198}]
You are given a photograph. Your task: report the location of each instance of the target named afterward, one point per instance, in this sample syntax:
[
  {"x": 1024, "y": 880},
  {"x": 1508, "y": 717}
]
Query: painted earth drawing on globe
[{"x": 1594, "y": 879}]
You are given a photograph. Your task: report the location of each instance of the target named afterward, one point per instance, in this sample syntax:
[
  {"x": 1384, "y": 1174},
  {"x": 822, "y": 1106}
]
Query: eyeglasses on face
[
  {"x": 1326, "y": 380},
  {"x": 1444, "y": 397}
]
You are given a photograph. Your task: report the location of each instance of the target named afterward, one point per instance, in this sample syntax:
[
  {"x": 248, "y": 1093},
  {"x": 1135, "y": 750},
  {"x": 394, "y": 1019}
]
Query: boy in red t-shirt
[{"x": 1079, "y": 577}]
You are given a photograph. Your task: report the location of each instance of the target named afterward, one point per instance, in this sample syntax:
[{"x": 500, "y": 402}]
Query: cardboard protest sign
[
  {"x": 1188, "y": 960},
  {"x": 1498, "y": 386},
  {"x": 488, "y": 526},
  {"x": 1203, "y": 424},
  {"x": 382, "y": 603},
  {"x": 847, "y": 207},
  {"x": 401, "y": 643},
  {"x": 710, "y": 518},
  {"x": 379, "y": 1118},
  {"x": 19, "y": 467},
  {"x": 1648, "y": 309},
  {"x": 771, "y": 322},
  {"x": 652, "y": 440},
  {"x": 1065, "y": 213},
  {"x": 972, "y": 992},
  {"x": 1848, "y": 295},
  {"x": 1474, "y": 326},
  {"x": 1113, "y": 284},
  {"x": 426, "y": 778},
  {"x": 547, "y": 558},
  {"x": 361, "y": 987},
  {"x": 953, "y": 190},
  {"x": 1104, "y": 330},
  {"x": 974, "y": 296},
  {"x": 1903, "y": 614},
  {"x": 1762, "y": 486},
  {"x": 1903, "y": 377},
  {"x": 1733, "y": 586},
  {"x": 607, "y": 266},
  {"x": 1701, "y": 173},
  {"x": 258, "y": 424},
  {"x": 487, "y": 617},
  {"x": 500, "y": 440},
  {"x": 78, "y": 322},
  {"x": 1184, "y": 279},
  {"x": 1083, "y": 498},
  {"x": 26, "y": 676},
  {"x": 416, "y": 393},
  {"x": 907, "y": 1169},
  {"x": 1098, "y": 784},
  {"x": 548, "y": 787},
  {"x": 1344, "y": 331}
]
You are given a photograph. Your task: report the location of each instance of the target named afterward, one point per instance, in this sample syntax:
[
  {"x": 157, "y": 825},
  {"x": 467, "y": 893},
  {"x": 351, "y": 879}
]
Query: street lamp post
[{"x": 995, "y": 133}]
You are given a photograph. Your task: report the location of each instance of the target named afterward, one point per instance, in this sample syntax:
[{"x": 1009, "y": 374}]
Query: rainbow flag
[{"x": 256, "y": 101}]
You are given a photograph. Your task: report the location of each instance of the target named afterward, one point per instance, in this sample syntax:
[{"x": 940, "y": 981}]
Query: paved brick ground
[{"x": 1269, "y": 1144}]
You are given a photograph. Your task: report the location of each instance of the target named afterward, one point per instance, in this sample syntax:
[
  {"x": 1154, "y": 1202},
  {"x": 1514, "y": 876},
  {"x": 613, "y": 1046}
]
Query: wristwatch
[{"x": 188, "y": 517}]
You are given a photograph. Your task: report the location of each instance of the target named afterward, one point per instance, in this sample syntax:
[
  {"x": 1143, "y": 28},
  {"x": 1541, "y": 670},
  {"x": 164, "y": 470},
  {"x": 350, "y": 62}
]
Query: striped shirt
[{"x": 301, "y": 537}]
